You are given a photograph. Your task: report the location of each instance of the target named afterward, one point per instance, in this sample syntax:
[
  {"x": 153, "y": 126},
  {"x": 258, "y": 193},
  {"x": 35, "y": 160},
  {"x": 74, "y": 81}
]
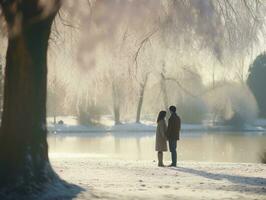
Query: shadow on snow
[{"x": 243, "y": 183}]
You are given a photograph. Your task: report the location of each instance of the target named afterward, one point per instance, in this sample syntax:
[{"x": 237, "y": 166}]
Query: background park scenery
[{"x": 88, "y": 78}]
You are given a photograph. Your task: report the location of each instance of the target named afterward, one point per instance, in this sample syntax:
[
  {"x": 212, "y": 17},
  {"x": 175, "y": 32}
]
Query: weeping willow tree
[{"x": 225, "y": 27}]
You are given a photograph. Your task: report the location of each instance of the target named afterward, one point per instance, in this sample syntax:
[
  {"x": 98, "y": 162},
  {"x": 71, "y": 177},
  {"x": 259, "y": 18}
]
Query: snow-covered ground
[
  {"x": 105, "y": 178},
  {"x": 101, "y": 176}
]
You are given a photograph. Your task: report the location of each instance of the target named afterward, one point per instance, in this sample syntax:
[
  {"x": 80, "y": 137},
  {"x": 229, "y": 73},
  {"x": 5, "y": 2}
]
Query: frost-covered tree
[
  {"x": 256, "y": 82},
  {"x": 144, "y": 68},
  {"x": 222, "y": 29}
]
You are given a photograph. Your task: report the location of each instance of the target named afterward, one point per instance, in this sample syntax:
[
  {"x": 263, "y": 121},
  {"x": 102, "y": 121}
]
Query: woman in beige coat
[{"x": 161, "y": 139}]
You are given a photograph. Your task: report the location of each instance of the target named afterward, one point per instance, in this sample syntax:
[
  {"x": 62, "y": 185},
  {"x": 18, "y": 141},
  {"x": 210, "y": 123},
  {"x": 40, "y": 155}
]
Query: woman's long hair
[{"x": 161, "y": 116}]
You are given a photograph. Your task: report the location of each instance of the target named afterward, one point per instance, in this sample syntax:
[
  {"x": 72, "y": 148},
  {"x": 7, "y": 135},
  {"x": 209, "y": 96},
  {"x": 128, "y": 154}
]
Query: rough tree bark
[
  {"x": 55, "y": 100},
  {"x": 1, "y": 87},
  {"x": 24, "y": 159},
  {"x": 141, "y": 98}
]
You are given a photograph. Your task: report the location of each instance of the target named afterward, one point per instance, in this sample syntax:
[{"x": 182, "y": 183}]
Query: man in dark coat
[{"x": 173, "y": 133}]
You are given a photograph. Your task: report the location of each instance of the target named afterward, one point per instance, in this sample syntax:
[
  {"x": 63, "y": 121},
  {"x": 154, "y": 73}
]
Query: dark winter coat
[{"x": 174, "y": 125}]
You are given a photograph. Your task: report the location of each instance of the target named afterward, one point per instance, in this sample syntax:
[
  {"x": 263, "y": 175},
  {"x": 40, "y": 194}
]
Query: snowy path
[{"x": 101, "y": 178}]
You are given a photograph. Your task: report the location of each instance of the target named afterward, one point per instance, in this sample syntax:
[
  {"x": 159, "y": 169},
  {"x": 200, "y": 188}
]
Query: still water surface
[{"x": 216, "y": 147}]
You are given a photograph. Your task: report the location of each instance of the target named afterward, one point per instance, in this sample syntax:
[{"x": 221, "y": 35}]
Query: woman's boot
[{"x": 160, "y": 159}]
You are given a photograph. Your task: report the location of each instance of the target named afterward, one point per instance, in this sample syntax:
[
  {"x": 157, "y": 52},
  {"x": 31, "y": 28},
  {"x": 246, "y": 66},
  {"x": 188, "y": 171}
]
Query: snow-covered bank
[
  {"x": 70, "y": 125},
  {"x": 65, "y": 128},
  {"x": 136, "y": 128},
  {"x": 102, "y": 178}
]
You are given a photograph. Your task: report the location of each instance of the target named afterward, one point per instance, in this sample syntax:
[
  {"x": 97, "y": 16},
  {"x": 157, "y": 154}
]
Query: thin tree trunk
[
  {"x": 23, "y": 145},
  {"x": 54, "y": 118},
  {"x": 117, "y": 115},
  {"x": 141, "y": 98},
  {"x": 116, "y": 104},
  {"x": 164, "y": 91}
]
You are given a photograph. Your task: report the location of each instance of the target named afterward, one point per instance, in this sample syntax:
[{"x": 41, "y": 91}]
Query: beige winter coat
[{"x": 161, "y": 140}]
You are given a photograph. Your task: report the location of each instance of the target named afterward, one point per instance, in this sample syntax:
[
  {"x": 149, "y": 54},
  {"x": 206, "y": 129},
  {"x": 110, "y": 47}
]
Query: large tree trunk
[
  {"x": 1, "y": 88},
  {"x": 141, "y": 98},
  {"x": 23, "y": 147}
]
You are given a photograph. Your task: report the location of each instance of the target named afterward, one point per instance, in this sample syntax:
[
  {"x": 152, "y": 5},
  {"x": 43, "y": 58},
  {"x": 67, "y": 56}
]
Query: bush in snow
[
  {"x": 192, "y": 110},
  {"x": 90, "y": 115},
  {"x": 256, "y": 81},
  {"x": 233, "y": 104}
]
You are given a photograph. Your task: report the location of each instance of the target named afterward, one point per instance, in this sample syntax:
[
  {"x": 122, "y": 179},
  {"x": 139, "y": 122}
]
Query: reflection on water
[{"x": 216, "y": 147}]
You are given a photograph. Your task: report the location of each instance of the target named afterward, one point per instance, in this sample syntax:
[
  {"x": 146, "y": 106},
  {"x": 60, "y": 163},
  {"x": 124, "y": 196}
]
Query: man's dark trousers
[{"x": 172, "y": 147}]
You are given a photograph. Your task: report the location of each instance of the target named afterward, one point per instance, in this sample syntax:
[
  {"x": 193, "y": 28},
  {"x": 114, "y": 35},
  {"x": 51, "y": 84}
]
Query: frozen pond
[{"x": 215, "y": 147}]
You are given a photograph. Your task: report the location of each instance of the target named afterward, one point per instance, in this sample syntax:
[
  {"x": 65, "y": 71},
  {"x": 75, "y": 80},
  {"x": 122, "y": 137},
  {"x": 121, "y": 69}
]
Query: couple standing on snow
[{"x": 170, "y": 133}]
